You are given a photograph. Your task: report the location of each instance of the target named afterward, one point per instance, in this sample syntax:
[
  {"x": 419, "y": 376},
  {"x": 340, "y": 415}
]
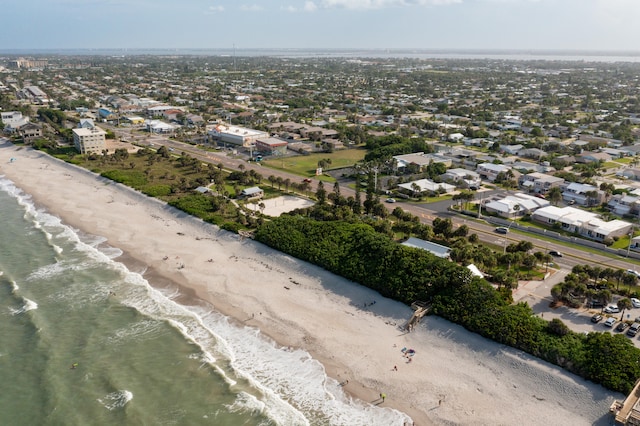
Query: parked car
[
  {"x": 633, "y": 330},
  {"x": 502, "y": 230},
  {"x": 390, "y": 200},
  {"x": 555, "y": 253},
  {"x": 635, "y": 302},
  {"x": 306, "y": 180},
  {"x": 622, "y": 326},
  {"x": 611, "y": 309},
  {"x": 596, "y": 318},
  {"x": 610, "y": 321},
  {"x": 595, "y": 303}
]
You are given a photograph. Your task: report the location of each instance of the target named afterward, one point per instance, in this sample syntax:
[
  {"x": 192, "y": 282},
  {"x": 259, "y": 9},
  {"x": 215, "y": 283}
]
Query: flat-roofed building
[
  {"x": 271, "y": 146},
  {"x": 236, "y": 135},
  {"x": 89, "y": 141}
]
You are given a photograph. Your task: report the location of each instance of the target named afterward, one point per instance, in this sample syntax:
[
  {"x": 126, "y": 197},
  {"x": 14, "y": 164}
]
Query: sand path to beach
[{"x": 455, "y": 377}]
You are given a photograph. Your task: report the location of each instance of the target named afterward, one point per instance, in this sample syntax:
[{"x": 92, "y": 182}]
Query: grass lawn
[{"x": 305, "y": 165}]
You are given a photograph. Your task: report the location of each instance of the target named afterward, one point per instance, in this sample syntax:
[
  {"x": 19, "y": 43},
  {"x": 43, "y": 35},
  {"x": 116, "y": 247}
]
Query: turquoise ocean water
[{"x": 141, "y": 357}]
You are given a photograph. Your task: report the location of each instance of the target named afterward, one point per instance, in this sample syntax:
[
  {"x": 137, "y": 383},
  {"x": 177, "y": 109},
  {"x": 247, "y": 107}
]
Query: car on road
[
  {"x": 501, "y": 230},
  {"x": 611, "y": 309},
  {"x": 306, "y": 180},
  {"x": 633, "y": 330},
  {"x": 622, "y": 326},
  {"x": 390, "y": 200},
  {"x": 596, "y": 318},
  {"x": 555, "y": 253},
  {"x": 610, "y": 321},
  {"x": 635, "y": 302},
  {"x": 632, "y": 272}
]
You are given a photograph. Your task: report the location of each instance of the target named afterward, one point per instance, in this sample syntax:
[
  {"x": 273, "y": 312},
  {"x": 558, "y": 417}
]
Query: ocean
[{"x": 86, "y": 341}]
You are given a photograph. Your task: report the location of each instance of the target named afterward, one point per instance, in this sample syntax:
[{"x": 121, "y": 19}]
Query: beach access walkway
[{"x": 420, "y": 309}]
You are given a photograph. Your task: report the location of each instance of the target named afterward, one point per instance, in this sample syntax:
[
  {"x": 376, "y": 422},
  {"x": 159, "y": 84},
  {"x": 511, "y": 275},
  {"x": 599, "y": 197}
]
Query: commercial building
[
  {"x": 234, "y": 135},
  {"x": 89, "y": 141},
  {"x": 271, "y": 146}
]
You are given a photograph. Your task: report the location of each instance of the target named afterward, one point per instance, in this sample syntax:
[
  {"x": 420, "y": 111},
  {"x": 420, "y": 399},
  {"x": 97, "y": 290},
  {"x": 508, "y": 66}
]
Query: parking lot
[{"x": 537, "y": 295}]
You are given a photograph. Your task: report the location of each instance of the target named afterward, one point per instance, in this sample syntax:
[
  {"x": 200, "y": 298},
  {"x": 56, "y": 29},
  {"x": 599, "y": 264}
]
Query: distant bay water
[{"x": 512, "y": 54}]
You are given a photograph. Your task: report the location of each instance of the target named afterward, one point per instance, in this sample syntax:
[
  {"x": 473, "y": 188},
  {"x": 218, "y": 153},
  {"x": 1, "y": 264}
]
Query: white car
[
  {"x": 611, "y": 309},
  {"x": 635, "y": 302},
  {"x": 610, "y": 321},
  {"x": 632, "y": 272}
]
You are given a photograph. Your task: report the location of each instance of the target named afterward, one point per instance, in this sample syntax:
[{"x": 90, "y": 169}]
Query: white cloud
[
  {"x": 288, "y": 9},
  {"x": 251, "y": 8},
  {"x": 310, "y": 6},
  {"x": 381, "y": 4},
  {"x": 211, "y": 10}
]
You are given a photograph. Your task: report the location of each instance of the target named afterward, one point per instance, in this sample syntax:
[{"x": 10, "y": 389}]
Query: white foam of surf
[
  {"x": 117, "y": 399},
  {"x": 29, "y": 305}
]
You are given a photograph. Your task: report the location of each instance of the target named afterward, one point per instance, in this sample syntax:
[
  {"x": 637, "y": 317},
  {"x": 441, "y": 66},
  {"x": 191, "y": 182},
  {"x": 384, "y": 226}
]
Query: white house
[
  {"x": 581, "y": 222},
  {"x": 539, "y": 183},
  {"x": 491, "y": 171},
  {"x": 515, "y": 205},
  {"x": 425, "y": 185},
  {"x": 577, "y": 193},
  {"x": 13, "y": 120},
  {"x": 469, "y": 177}
]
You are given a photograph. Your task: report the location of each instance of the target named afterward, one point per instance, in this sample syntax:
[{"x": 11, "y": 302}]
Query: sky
[{"x": 584, "y": 25}]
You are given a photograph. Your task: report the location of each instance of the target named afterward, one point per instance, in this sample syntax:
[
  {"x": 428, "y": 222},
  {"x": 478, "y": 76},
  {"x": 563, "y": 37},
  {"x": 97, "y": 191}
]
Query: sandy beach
[{"x": 454, "y": 377}]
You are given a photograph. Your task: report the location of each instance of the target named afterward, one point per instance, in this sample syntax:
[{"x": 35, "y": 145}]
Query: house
[
  {"x": 583, "y": 223},
  {"x": 433, "y": 248},
  {"x": 515, "y": 205},
  {"x": 106, "y": 114},
  {"x": 511, "y": 149},
  {"x": 455, "y": 137},
  {"x": 633, "y": 174},
  {"x": 577, "y": 193},
  {"x": 539, "y": 183},
  {"x": 592, "y": 157},
  {"x": 622, "y": 204},
  {"x": 252, "y": 192},
  {"x": 417, "y": 161},
  {"x": 13, "y": 120},
  {"x": 491, "y": 171},
  {"x": 425, "y": 185},
  {"x": 86, "y": 123},
  {"x": 89, "y": 141},
  {"x": 533, "y": 153},
  {"x": 458, "y": 175},
  {"x": 30, "y": 131}
]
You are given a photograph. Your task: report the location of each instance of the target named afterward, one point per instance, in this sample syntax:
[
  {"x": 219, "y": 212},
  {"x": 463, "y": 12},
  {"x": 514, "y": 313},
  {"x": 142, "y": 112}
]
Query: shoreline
[{"x": 456, "y": 377}]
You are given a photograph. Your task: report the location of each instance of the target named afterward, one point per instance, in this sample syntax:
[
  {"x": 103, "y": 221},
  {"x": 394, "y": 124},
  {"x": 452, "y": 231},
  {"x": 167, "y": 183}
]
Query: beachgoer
[
  {"x": 383, "y": 396},
  {"x": 395, "y": 368},
  {"x": 439, "y": 402}
]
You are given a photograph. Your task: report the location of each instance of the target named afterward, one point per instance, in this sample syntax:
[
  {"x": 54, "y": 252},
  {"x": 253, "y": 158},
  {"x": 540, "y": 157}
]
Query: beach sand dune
[{"x": 453, "y": 377}]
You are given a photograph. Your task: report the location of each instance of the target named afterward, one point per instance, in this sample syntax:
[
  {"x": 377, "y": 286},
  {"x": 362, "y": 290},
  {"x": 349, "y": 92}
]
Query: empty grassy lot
[{"x": 305, "y": 165}]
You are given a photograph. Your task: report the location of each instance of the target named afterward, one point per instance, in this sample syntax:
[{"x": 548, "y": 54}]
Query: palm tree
[
  {"x": 416, "y": 189},
  {"x": 623, "y": 305},
  {"x": 554, "y": 195}
]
